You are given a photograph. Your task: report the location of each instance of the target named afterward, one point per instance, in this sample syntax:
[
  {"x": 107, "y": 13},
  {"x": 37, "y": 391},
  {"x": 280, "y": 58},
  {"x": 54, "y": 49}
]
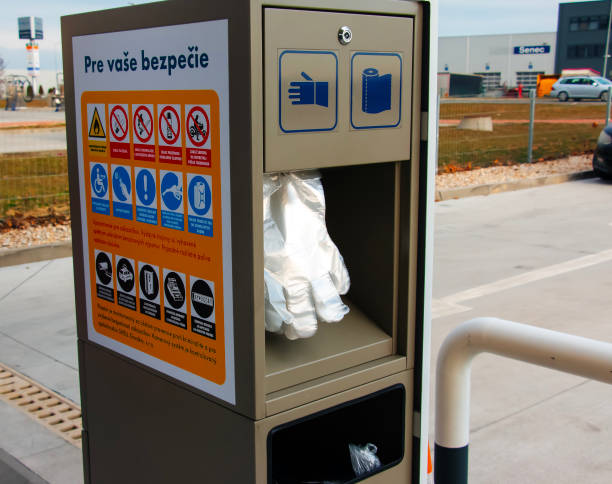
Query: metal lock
[{"x": 345, "y": 35}]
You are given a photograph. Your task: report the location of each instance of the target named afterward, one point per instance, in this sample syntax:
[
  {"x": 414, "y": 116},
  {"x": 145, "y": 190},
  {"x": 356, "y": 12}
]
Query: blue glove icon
[{"x": 309, "y": 92}]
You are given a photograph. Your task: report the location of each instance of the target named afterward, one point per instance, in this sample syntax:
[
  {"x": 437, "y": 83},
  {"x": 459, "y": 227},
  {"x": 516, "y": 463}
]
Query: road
[
  {"x": 27, "y": 140},
  {"x": 31, "y": 115},
  {"x": 508, "y": 255}
]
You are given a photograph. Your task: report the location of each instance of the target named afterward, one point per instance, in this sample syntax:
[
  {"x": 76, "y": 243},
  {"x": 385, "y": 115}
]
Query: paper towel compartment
[{"x": 328, "y": 104}]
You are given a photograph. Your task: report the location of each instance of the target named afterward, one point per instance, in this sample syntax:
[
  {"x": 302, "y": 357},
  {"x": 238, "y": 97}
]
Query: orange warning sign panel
[{"x": 154, "y": 226}]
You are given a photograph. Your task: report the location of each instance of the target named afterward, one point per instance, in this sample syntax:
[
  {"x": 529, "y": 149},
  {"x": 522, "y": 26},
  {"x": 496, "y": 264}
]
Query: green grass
[
  {"x": 35, "y": 182},
  {"x": 508, "y": 143},
  {"x": 32, "y": 180},
  {"x": 581, "y": 110}
]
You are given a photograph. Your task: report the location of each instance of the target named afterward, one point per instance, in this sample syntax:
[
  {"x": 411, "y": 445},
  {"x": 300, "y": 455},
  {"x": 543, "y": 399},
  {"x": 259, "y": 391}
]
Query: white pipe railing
[{"x": 571, "y": 354}]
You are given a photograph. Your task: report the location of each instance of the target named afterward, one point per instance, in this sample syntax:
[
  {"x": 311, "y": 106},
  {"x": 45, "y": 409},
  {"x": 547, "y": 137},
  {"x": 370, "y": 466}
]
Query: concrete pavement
[
  {"x": 38, "y": 339},
  {"x": 542, "y": 257},
  {"x": 539, "y": 256}
]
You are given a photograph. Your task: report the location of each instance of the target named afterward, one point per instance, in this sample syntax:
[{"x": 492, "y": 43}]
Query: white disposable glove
[{"x": 304, "y": 273}]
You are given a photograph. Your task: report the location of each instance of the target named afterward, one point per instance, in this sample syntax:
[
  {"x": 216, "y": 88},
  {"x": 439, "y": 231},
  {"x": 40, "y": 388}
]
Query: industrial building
[
  {"x": 581, "y": 36},
  {"x": 503, "y": 60}
]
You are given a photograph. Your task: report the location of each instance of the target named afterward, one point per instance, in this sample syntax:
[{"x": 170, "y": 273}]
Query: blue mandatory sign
[
  {"x": 122, "y": 186},
  {"x": 172, "y": 191},
  {"x": 122, "y": 193},
  {"x": 145, "y": 187},
  {"x": 200, "y": 218},
  {"x": 99, "y": 181},
  {"x": 146, "y": 196},
  {"x": 200, "y": 195}
]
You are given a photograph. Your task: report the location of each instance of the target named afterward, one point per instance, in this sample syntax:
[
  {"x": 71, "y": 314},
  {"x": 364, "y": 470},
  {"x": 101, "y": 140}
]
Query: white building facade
[{"x": 503, "y": 60}]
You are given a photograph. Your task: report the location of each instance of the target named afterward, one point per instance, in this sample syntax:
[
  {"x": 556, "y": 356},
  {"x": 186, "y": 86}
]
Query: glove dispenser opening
[{"x": 362, "y": 220}]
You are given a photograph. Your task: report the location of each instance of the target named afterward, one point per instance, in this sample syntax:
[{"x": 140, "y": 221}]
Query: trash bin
[{"x": 176, "y": 114}]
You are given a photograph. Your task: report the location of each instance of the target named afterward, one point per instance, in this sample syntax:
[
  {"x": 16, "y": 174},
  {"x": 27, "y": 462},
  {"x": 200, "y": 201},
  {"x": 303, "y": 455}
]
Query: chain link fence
[
  {"x": 485, "y": 132},
  {"x": 33, "y": 162},
  {"x": 472, "y": 133}
]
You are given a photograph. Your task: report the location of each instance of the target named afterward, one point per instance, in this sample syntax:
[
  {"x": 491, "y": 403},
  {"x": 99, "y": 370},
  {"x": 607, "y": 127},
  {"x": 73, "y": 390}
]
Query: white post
[{"x": 571, "y": 354}]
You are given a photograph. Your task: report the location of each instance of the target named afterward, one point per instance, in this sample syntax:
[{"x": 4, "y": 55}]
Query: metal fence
[
  {"x": 484, "y": 132},
  {"x": 473, "y": 132},
  {"x": 33, "y": 163}
]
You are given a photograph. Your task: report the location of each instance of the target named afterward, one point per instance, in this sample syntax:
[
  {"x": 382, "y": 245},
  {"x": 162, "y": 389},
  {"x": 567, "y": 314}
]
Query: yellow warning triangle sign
[{"x": 96, "y": 129}]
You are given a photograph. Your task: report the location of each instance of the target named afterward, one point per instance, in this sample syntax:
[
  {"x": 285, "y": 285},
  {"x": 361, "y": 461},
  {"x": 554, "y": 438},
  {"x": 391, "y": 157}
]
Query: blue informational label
[
  {"x": 171, "y": 194},
  {"x": 200, "y": 214},
  {"x": 146, "y": 196},
  {"x": 122, "y": 192},
  {"x": 99, "y": 188}
]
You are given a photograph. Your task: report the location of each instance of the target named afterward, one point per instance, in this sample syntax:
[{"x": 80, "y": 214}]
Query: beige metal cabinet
[{"x": 300, "y": 94}]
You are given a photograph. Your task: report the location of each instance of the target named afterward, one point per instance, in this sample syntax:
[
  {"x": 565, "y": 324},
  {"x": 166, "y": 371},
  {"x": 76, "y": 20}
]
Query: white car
[{"x": 581, "y": 88}]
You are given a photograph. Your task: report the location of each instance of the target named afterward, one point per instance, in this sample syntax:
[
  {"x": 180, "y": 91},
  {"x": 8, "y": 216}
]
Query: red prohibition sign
[
  {"x": 119, "y": 130},
  {"x": 197, "y": 129},
  {"x": 143, "y": 124},
  {"x": 166, "y": 120}
]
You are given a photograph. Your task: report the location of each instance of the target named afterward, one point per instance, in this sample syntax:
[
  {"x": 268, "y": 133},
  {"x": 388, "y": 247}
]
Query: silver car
[{"x": 581, "y": 88}]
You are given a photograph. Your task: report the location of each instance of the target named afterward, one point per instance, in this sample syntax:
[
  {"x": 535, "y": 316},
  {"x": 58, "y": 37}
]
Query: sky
[{"x": 457, "y": 17}]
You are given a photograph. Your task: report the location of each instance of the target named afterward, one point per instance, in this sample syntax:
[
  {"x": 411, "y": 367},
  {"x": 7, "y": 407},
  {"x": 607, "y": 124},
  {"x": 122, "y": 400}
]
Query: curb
[
  {"x": 13, "y": 257},
  {"x": 491, "y": 188}
]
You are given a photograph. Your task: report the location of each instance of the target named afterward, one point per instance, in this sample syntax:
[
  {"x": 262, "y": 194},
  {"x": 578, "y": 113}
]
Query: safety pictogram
[
  {"x": 96, "y": 127},
  {"x": 104, "y": 275},
  {"x": 148, "y": 281},
  {"x": 169, "y": 131},
  {"x": 122, "y": 192},
  {"x": 200, "y": 213},
  {"x": 126, "y": 282},
  {"x": 175, "y": 307},
  {"x": 171, "y": 194},
  {"x": 143, "y": 126},
  {"x": 118, "y": 122},
  {"x": 169, "y": 125},
  {"x": 119, "y": 126},
  {"x": 203, "y": 307},
  {"x": 198, "y": 126},
  {"x": 99, "y": 188},
  {"x": 146, "y": 195},
  {"x": 197, "y": 139}
]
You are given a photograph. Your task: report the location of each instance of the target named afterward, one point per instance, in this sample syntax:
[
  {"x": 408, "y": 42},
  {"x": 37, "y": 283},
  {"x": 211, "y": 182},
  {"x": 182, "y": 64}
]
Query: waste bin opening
[
  {"x": 315, "y": 449},
  {"x": 362, "y": 220}
]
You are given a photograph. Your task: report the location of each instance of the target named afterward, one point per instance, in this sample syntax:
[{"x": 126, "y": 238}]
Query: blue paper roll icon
[{"x": 376, "y": 91}]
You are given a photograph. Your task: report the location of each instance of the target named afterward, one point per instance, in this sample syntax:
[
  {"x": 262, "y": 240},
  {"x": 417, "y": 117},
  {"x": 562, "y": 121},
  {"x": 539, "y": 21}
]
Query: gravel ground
[
  {"x": 504, "y": 174},
  {"x": 46, "y": 234},
  {"x": 34, "y": 235}
]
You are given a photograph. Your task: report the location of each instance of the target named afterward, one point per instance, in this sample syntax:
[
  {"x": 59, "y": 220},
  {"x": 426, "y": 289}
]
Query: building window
[
  {"x": 490, "y": 80},
  {"x": 585, "y": 51},
  {"x": 529, "y": 79},
  {"x": 594, "y": 22}
]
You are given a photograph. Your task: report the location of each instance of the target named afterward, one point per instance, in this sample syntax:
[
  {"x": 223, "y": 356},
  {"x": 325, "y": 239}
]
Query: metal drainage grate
[{"x": 56, "y": 413}]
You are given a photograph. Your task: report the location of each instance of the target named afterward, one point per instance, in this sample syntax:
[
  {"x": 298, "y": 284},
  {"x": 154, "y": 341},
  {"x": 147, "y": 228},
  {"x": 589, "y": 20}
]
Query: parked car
[
  {"x": 581, "y": 88},
  {"x": 602, "y": 159}
]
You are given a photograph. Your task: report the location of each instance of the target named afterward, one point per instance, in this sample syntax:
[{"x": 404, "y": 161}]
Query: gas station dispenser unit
[{"x": 251, "y": 184}]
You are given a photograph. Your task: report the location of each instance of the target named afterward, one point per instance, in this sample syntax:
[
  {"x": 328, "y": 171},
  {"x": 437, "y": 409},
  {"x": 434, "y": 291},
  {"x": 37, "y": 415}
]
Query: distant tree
[{"x": 41, "y": 91}]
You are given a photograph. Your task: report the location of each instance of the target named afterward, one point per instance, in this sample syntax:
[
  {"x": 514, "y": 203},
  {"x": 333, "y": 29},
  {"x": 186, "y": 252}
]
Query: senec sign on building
[{"x": 532, "y": 49}]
